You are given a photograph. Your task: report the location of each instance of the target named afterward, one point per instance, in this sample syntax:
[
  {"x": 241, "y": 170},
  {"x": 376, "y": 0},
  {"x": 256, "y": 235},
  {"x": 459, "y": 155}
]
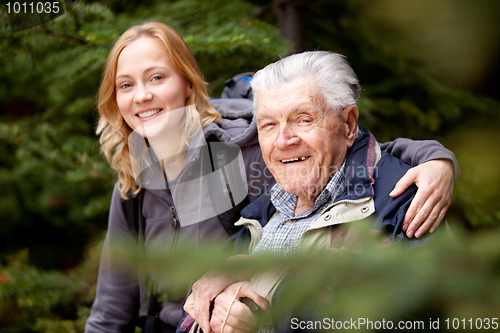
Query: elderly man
[{"x": 329, "y": 171}]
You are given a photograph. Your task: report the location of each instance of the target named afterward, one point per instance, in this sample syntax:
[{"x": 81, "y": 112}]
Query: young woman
[{"x": 151, "y": 77}]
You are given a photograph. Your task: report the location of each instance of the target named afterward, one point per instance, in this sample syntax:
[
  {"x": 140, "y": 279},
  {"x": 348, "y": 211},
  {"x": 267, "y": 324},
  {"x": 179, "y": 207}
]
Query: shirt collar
[{"x": 285, "y": 202}]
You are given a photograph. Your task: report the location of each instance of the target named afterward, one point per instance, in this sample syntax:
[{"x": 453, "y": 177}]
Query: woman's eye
[
  {"x": 125, "y": 85},
  {"x": 157, "y": 77}
]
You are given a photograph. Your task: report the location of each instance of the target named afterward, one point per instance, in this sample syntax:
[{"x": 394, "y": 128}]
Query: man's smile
[{"x": 295, "y": 159}]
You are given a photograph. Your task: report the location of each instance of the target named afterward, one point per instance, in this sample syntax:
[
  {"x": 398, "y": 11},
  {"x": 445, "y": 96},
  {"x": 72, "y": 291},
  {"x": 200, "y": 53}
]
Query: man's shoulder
[
  {"x": 390, "y": 211},
  {"x": 389, "y": 170},
  {"x": 386, "y": 174}
]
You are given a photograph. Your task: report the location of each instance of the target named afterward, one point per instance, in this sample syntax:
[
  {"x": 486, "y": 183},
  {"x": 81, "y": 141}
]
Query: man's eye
[{"x": 265, "y": 126}]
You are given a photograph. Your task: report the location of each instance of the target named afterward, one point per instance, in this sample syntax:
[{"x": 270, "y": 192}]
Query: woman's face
[{"x": 147, "y": 83}]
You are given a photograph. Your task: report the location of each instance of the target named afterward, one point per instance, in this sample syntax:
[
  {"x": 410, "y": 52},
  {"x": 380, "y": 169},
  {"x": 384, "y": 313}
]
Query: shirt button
[
  {"x": 364, "y": 209},
  {"x": 328, "y": 216}
]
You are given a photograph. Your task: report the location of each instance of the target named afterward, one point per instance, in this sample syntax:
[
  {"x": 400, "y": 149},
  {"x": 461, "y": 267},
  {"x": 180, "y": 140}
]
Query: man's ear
[{"x": 350, "y": 116}]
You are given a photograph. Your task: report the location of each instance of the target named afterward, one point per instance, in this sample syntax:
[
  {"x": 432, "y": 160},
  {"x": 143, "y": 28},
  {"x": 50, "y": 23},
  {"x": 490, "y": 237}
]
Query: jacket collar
[{"x": 359, "y": 168}]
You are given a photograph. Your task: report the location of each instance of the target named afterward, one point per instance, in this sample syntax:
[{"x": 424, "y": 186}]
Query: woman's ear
[
  {"x": 189, "y": 91},
  {"x": 350, "y": 116}
]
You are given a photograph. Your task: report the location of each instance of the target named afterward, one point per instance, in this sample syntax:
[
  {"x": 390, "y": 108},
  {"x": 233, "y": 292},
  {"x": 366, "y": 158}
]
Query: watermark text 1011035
[
  {"x": 33, "y": 8},
  {"x": 26, "y": 14}
]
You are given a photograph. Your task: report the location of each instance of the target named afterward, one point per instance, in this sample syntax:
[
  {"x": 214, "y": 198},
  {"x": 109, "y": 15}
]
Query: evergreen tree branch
[
  {"x": 47, "y": 32},
  {"x": 192, "y": 19}
]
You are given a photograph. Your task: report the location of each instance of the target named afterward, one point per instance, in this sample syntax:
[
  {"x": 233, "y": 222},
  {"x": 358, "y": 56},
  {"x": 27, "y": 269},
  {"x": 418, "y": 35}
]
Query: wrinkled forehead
[{"x": 295, "y": 95}]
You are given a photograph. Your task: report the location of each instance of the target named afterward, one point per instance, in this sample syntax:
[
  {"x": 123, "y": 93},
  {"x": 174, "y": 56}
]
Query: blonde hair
[{"x": 113, "y": 130}]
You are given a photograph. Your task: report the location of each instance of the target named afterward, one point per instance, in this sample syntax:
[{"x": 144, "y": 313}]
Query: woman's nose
[{"x": 142, "y": 95}]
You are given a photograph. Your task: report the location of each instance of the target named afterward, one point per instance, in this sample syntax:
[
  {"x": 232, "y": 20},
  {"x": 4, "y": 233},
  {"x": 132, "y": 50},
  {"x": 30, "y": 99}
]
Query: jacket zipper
[
  {"x": 360, "y": 201},
  {"x": 174, "y": 221}
]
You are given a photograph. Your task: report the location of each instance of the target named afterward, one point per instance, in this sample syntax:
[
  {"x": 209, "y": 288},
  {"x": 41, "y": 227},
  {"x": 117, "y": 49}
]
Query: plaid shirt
[{"x": 283, "y": 232}]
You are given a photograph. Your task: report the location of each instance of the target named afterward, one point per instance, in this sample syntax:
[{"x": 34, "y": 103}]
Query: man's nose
[
  {"x": 142, "y": 94},
  {"x": 286, "y": 138}
]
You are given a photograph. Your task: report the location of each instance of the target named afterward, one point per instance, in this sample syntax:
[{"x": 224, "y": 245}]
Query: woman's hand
[
  {"x": 435, "y": 180},
  {"x": 240, "y": 318}
]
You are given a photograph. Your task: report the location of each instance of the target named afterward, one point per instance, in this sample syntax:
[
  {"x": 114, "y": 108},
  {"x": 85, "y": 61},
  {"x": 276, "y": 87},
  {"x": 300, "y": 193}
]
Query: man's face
[{"x": 303, "y": 141}]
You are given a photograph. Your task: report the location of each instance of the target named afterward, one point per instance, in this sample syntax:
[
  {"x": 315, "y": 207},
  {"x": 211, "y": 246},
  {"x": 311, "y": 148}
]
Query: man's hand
[
  {"x": 204, "y": 291},
  {"x": 240, "y": 318},
  {"x": 435, "y": 180},
  {"x": 208, "y": 287}
]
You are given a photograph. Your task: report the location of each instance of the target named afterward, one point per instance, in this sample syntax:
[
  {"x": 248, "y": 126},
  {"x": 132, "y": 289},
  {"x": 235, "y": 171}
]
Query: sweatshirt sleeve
[
  {"x": 415, "y": 152},
  {"x": 116, "y": 304}
]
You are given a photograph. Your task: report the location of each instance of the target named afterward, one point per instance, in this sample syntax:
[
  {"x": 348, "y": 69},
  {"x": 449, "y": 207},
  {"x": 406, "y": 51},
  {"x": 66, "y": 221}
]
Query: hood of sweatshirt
[{"x": 237, "y": 124}]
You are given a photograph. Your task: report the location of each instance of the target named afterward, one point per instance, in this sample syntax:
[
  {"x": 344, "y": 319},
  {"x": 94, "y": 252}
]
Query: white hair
[{"x": 330, "y": 72}]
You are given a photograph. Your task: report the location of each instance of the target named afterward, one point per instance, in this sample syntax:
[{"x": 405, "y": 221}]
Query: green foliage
[
  {"x": 35, "y": 301},
  {"x": 445, "y": 280},
  {"x": 454, "y": 276},
  {"x": 478, "y": 189},
  {"x": 56, "y": 184}
]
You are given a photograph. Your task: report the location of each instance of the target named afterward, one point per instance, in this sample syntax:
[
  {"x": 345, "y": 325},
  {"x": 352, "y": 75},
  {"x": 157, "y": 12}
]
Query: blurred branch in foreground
[{"x": 456, "y": 276}]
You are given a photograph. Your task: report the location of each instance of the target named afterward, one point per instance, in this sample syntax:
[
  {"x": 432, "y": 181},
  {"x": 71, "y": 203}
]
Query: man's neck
[
  {"x": 306, "y": 200},
  {"x": 304, "y": 203}
]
